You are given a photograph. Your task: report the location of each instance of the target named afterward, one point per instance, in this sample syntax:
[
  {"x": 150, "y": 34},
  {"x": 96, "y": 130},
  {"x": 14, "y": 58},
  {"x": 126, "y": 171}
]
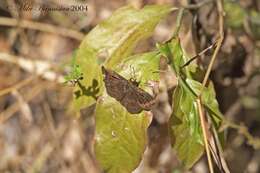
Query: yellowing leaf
[
  {"x": 110, "y": 42},
  {"x": 120, "y": 136}
]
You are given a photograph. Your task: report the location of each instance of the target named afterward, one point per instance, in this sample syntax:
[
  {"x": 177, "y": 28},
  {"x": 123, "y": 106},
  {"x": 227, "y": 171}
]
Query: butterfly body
[{"x": 127, "y": 92}]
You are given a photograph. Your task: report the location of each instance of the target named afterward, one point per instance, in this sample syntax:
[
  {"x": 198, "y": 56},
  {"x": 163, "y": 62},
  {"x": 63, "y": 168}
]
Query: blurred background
[{"x": 39, "y": 134}]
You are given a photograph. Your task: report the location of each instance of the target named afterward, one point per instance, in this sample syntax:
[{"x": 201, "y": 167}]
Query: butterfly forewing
[
  {"x": 134, "y": 99},
  {"x": 114, "y": 83}
]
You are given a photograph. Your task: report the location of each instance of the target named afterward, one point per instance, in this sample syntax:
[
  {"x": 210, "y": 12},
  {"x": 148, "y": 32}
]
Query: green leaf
[
  {"x": 235, "y": 14},
  {"x": 184, "y": 125},
  {"x": 164, "y": 50},
  {"x": 209, "y": 100},
  {"x": 130, "y": 26},
  {"x": 236, "y": 17},
  {"x": 173, "y": 51},
  {"x": 254, "y": 19},
  {"x": 110, "y": 42},
  {"x": 86, "y": 93},
  {"x": 120, "y": 136},
  {"x": 185, "y": 129},
  {"x": 75, "y": 73},
  {"x": 143, "y": 67}
]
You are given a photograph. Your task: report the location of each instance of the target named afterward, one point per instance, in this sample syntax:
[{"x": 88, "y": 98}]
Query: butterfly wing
[
  {"x": 144, "y": 99},
  {"x": 136, "y": 100},
  {"x": 114, "y": 83},
  {"x": 130, "y": 100}
]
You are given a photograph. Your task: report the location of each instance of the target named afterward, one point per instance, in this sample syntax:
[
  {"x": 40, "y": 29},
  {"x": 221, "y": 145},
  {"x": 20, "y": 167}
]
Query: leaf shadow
[
  {"x": 91, "y": 91},
  {"x": 176, "y": 120}
]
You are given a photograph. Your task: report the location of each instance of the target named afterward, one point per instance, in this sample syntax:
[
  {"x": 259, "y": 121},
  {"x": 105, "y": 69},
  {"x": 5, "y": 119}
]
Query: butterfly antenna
[
  {"x": 199, "y": 54},
  {"x": 132, "y": 72},
  {"x": 103, "y": 69}
]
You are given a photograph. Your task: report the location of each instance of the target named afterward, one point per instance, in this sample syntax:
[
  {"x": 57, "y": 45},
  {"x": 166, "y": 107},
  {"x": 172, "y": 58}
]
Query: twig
[
  {"x": 14, "y": 10},
  {"x": 198, "y": 5},
  {"x": 6, "y": 21},
  {"x": 17, "y": 86},
  {"x": 26, "y": 112},
  {"x": 199, "y": 54},
  {"x": 205, "y": 136},
  {"x": 180, "y": 15},
  {"x": 49, "y": 118},
  {"x": 178, "y": 23},
  {"x": 8, "y": 113},
  {"x": 219, "y": 42},
  {"x": 217, "y": 151},
  {"x": 41, "y": 158},
  {"x": 41, "y": 68},
  {"x": 242, "y": 129},
  {"x": 46, "y": 152},
  {"x": 233, "y": 110}
]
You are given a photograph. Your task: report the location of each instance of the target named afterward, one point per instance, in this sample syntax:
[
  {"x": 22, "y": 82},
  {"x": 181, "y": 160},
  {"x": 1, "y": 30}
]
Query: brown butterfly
[{"x": 127, "y": 92}]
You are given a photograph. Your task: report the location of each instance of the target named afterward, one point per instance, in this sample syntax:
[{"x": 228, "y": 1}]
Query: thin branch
[
  {"x": 6, "y": 21},
  {"x": 41, "y": 68},
  {"x": 17, "y": 86},
  {"x": 178, "y": 23},
  {"x": 46, "y": 152},
  {"x": 180, "y": 15},
  {"x": 198, "y": 5},
  {"x": 202, "y": 118},
  {"x": 26, "y": 112},
  {"x": 219, "y": 42},
  {"x": 205, "y": 136},
  {"x": 198, "y": 55},
  {"x": 243, "y": 130},
  {"x": 8, "y": 113}
]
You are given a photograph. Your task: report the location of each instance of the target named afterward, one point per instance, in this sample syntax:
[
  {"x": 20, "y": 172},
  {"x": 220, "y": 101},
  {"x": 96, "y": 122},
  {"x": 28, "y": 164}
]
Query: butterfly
[{"x": 127, "y": 92}]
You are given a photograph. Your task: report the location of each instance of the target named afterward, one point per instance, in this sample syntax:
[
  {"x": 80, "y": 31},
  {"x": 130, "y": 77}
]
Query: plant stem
[
  {"x": 178, "y": 23},
  {"x": 203, "y": 126}
]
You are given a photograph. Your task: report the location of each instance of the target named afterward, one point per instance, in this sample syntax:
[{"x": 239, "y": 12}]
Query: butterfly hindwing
[
  {"x": 144, "y": 99},
  {"x": 133, "y": 98},
  {"x": 130, "y": 101}
]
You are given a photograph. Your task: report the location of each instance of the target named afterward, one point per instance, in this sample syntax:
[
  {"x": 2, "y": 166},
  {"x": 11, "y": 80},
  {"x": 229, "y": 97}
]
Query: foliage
[
  {"x": 184, "y": 124},
  {"x": 75, "y": 75},
  {"x": 120, "y": 136},
  {"x": 112, "y": 40},
  {"x": 239, "y": 18}
]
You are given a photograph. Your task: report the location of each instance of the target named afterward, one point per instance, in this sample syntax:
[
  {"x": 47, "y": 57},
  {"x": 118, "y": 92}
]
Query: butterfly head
[{"x": 134, "y": 81}]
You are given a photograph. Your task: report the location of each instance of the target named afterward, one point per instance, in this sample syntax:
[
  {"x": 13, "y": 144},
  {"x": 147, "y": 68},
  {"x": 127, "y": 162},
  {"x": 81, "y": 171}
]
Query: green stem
[{"x": 178, "y": 23}]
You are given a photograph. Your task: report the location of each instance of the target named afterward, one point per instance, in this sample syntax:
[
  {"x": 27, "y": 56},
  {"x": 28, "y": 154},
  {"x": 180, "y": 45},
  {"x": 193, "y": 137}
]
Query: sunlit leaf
[
  {"x": 75, "y": 74},
  {"x": 143, "y": 68},
  {"x": 131, "y": 26},
  {"x": 110, "y": 42},
  {"x": 184, "y": 127},
  {"x": 120, "y": 136},
  {"x": 208, "y": 99},
  {"x": 184, "y": 124},
  {"x": 235, "y": 14}
]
